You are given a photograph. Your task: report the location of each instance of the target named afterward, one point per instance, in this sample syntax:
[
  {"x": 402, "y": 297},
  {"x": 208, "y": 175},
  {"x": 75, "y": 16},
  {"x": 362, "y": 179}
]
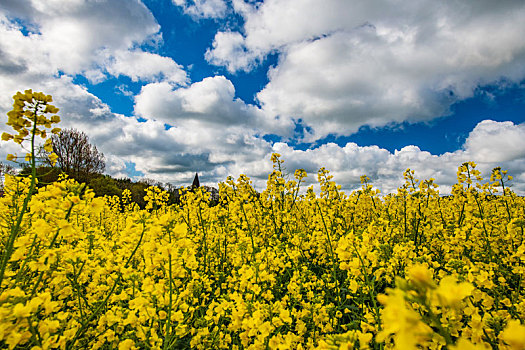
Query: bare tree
[{"x": 76, "y": 156}]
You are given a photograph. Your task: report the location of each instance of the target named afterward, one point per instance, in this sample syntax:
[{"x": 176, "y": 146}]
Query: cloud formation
[
  {"x": 203, "y": 8},
  {"x": 228, "y": 45},
  {"x": 489, "y": 144},
  {"x": 84, "y": 37},
  {"x": 145, "y": 66},
  {"x": 208, "y": 103},
  {"x": 347, "y": 64}
]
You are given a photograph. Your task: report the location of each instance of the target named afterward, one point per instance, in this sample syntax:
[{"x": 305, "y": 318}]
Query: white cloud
[
  {"x": 493, "y": 142},
  {"x": 203, "y": 8},
  {"x": 275, "y": 24},
  {"x": 490, "y": 144},
  {"x": 145, "y": 66},
  {"x": 85, "y": 37},
  {"x": 210, "y": 102},
  {"x": 231, "y": 44},
  {"x": 347, "y": 64},
  {"x": 78, "y": 32}
]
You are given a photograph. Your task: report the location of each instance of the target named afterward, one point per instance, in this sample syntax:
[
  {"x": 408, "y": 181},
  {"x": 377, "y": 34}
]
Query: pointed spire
[{"x": 195, "y": 183}]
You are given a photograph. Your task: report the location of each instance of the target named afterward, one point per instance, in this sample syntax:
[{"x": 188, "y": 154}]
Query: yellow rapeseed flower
[
  {"x": 421, "y": 276},
  {"x": 127, "y": 344},
  {"x": 514, "y": 335},
  {"x": 451, "y": 293}
]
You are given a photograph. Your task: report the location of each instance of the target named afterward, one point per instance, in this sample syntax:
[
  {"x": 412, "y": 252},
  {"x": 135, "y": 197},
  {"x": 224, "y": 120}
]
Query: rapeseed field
[{"x": 279, "y": 269}]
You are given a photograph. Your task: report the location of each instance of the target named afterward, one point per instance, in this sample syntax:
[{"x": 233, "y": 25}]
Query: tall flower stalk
[{"x": 29, "y": 119}]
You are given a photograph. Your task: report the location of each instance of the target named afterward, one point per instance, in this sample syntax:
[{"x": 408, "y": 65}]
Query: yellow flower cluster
[
  {"x": 281, "y": 269},
  {"x": 27, "y": 117}
]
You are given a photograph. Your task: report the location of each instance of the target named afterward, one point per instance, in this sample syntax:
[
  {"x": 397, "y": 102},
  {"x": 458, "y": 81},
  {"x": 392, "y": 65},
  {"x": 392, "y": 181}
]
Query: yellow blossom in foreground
[
  {"x": 450, "y": 292},
  {"x": 402, "y": 323},
  {"x": 514, "y": 335},
  {"x": 464, "y": 344},
  {"x": 420, "y": 275}
]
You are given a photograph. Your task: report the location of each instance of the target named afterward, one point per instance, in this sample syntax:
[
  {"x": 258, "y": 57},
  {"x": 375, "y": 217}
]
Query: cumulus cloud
[
  {"x": 489, "y": 144},
  {"x": 164, "y": 154},
  {"x": 145, "y": 66},
  {"x": 231, "y": 44},
  {"x": 84, "y": 37},
  {"x": 347, "y": 64},
  {"x": 210, "y": 102},
  {"x": 496, "y": 141},
  {"x": 203, "y": 8},
  {"x": 77, "y": 33},
  {"x": 167, "y": 155}
]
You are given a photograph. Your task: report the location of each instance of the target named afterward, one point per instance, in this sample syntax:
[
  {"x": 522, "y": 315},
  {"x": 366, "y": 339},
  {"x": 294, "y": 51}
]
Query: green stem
[
  {"x": 16, "y": 229},
  {"x": 168, "y": 323},
  {"x": 332, "y": 257},
  {"x": 204, "y": 238},
  {"x": 487, "y": 238},
  {"x": 371, "y": 289}
]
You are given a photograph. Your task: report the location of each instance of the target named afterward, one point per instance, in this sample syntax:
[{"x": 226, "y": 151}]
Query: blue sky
[{"x": 167, "y": 88}]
